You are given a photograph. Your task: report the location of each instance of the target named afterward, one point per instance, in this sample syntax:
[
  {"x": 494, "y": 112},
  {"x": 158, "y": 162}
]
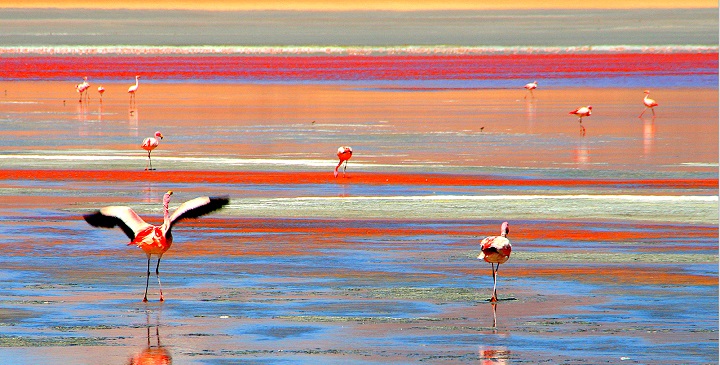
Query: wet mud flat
[
  {"x": 293, "y": 285},
  {"x": 614, "y": 233}
]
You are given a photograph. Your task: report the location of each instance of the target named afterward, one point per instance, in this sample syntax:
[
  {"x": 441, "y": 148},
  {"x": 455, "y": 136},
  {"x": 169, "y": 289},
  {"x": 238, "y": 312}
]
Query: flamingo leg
[
  {"x": 531, "y": 94},
  {"x": 147, "y": 281},
  {"x": 337, "y": 167},
  {"x": 149, "y": 163},
  {"x": 643, "y": 112},
  {"x": 157, "y": 273},
  {"x": 494, "y": 274},
  {"x": 653, "y": 110},
  {"x": 345, "y": 168}
]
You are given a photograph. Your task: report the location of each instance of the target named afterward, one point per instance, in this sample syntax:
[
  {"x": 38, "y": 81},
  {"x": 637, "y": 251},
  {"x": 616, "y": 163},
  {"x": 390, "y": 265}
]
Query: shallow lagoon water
[{"x": 613, "y": 233}]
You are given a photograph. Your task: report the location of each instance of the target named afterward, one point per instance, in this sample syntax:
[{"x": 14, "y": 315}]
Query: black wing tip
[
  {"x": 97, "y": 219},
  {"x": 220, "y": 201},
  {"x": 94, "y": 219}
]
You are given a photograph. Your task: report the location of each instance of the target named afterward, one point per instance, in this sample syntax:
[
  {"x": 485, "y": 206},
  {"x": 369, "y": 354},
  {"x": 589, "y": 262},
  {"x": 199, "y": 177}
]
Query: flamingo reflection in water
[
  {"x": 152, "y": 355},
  {"x": 494, "y": 355}
]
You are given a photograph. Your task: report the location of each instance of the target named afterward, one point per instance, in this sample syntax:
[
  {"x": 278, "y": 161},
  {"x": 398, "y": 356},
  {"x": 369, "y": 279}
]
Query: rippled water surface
[{"x": 610, "y": 230}]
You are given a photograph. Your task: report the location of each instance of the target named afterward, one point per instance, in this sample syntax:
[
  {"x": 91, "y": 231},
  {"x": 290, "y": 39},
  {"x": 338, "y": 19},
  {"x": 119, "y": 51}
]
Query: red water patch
[
  {"x": 354, "y": 67},
  {"x": 570, "y": 231},
  {"x": 379, "y": 178}
]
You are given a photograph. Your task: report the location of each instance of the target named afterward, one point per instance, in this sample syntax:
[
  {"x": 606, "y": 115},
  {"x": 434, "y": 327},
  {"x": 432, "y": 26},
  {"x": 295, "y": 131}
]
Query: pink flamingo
[
  {"x": 132, "y": 89},
  {"x": 101, "y": 90},
  {"x": 530, "y": 87},
  {"x": 82, "y": 87},
  {"x": 154, "y": 240},
  {"x": 150, "y": 144},
  {"x": 496, "y": 250},
  {"x": 649, "y": 103},
  {"x": 584, "y": 111},
  {"x": 344, "y": 153}
]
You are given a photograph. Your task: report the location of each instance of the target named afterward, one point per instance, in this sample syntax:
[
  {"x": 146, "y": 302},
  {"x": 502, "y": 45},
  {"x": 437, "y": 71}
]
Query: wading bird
[
  {"x": 496, "y": 250},
  {"x": 530, "y": 87},
  {"x": 154, "y": 240},
  {"x": 132, "y": 89},
  {"x": 344, "y": 153},
  {"x": 583, "y": 111},
  {"x": 649, "y": 103},
  {"x": 101, "y": 91},
  {"x": 82, "y": 88},
  {"x": 150, "y": 144}
]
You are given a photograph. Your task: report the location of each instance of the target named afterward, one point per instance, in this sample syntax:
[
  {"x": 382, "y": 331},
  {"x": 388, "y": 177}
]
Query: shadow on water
[{"x": 152, "y": 354}]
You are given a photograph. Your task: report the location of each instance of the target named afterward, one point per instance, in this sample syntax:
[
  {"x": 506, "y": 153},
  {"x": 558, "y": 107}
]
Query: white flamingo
[
  {"x": 649, "y": 103},
  {"x": 132, "y": 89},
  {"x": 82, "y": 88},
  {"x": 149, "y": 144},
  {"x": 584, "y": 111},
  {"x": 530, "y": 87},
  {"x": 496, "y": 250}
]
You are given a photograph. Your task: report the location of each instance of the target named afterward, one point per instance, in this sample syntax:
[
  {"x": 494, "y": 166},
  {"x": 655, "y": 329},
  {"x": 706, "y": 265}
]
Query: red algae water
[{"x": 605, "y": 69}]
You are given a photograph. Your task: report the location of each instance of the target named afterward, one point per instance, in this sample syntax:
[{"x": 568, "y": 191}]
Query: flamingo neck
[{"x": 166, "y": 214}]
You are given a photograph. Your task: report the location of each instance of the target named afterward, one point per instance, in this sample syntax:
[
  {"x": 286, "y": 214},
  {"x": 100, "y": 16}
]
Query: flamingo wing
[
  {"x": 495, "y": 249},
  {"x": 197, "y": 207},
  {"x": 117, "y": 216}
]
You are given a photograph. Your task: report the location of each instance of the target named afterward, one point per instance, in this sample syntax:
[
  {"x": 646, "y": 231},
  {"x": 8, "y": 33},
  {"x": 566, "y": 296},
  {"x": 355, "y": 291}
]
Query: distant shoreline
[{"x": 439, "y": 50}]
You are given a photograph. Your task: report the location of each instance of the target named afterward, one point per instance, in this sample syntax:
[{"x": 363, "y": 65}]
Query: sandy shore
[{"x": 613, "y": 233}]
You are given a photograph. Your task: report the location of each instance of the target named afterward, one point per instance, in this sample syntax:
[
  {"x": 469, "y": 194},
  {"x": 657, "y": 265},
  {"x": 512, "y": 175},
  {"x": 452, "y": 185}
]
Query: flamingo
[
  {"x": 344, "y": 153},
  {"x": 154, "y": 240},
  {"x": 496, "y": 250},
  {"x": 649, "y": 103},
  {"x": 150, "y": 144},
  {"x": 530, "y": 87},
  {"x": 132, "y": 89},
  {"x": 583, "y": 111},
  {"x": 82, "y": 87},
  {"x": 101, "y": 90}
]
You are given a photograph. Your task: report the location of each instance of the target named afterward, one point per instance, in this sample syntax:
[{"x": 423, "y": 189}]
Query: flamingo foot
[
  {"x": 336, "y": 173},
  {"x": 145, "y": 300},
  {"x": 162, "y": 299},
  {"x": 493, "y": 299}
]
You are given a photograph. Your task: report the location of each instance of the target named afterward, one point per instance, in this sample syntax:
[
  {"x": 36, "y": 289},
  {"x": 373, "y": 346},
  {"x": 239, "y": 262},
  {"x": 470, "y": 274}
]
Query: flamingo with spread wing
[{"x": 154, "y": 240}]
